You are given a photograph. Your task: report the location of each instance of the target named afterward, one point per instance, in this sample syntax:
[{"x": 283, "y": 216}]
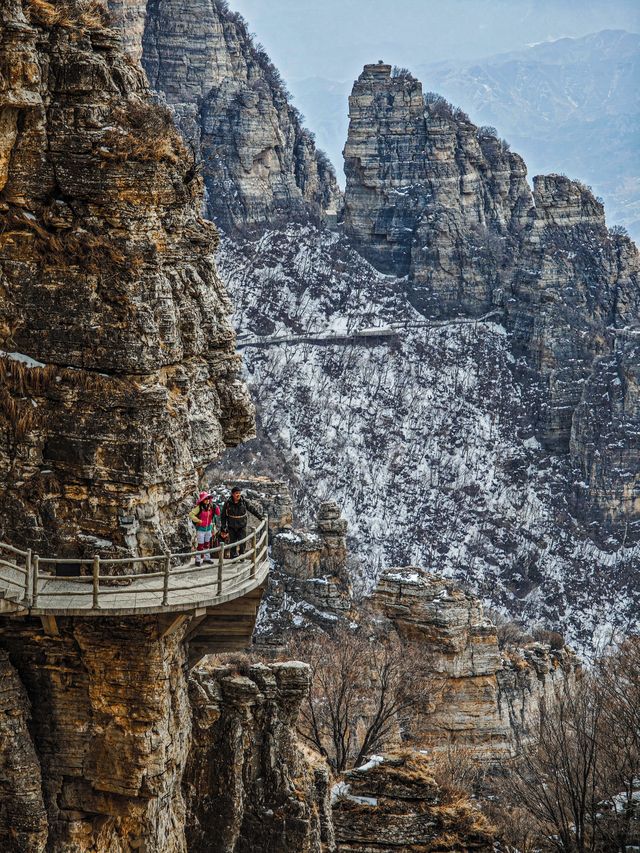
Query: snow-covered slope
[{"x": 422, "y": 434}]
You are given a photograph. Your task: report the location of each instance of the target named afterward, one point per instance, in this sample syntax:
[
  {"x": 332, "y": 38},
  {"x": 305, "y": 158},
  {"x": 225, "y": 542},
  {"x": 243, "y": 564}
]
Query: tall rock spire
[{"x": 431, "y": 196}]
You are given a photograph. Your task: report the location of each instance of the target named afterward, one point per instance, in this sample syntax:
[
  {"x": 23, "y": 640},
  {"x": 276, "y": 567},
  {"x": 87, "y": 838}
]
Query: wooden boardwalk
[
  {"x": 167, "y": 583},
  {"x": 194, "y": 587}
]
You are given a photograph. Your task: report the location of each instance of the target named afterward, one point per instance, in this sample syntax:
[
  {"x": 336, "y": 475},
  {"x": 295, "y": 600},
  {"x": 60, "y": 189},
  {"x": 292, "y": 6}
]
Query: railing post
[
  {"x": 28, "y": 582},
  {"x": 34, "y": 597},
  {"x": 220, "y": 568},
  {"x": 254, "y": 553},
  {"x": 96, "y": 581},
  {"x": 165, "y": 588}
]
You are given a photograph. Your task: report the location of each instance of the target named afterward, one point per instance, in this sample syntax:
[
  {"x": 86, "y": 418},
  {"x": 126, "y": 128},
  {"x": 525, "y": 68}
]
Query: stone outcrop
[
  {"x": 309, "y": 583},
  {"x": 485, "y": 698},
  {"x": 393, "y": 803},
  {"x": 110, "y": 746},
  {"x": 249, "y": 784},
  {"x": 332, "y": 530},
  {"x": 433, "y": 197},
  {"x": 318, "y": 553},
  {"x": 120, "y": 380},
  {"x": 404, "y": 171},
  {"x": 259, "y": 163}
]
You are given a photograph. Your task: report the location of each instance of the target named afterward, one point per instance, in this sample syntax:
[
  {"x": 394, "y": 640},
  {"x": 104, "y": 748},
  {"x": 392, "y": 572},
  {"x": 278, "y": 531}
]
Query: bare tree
[
  {"x": 365, "y": 687},
  {"x": 579, "y": 781},
  {"x": 618, "y": 681}
]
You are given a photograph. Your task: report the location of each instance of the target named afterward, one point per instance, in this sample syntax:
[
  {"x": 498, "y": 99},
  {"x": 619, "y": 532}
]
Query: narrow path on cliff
[{"x": 391, "y": 331}]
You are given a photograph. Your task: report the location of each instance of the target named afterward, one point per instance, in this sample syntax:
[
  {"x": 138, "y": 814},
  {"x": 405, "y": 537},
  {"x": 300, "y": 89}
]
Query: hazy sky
[{"x": 334, "y": 38}]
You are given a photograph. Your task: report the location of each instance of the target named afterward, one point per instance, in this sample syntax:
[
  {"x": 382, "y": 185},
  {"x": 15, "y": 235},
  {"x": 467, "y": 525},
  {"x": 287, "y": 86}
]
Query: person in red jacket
[{"x": 203, "y": 515}]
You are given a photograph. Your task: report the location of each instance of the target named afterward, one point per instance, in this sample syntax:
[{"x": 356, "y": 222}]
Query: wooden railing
[{"x": 23, "y": 574}]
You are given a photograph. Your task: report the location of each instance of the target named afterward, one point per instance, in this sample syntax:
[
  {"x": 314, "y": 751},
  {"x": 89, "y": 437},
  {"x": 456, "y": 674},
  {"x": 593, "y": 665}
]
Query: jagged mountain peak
[{"x": 260, "y": 164}]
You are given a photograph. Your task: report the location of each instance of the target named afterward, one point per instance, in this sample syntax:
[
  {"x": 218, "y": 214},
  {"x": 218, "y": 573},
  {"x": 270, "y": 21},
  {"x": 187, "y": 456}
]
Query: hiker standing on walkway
[
  {"x": 203, "y": 515},
  {"x": 234, "y": 518}
]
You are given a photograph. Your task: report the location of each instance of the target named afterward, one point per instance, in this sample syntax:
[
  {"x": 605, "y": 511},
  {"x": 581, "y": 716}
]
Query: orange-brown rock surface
[
  {"x": 119, "y": 373},
  {"x": 485, "y": 698},
  {"x": 110, "y": 734}
]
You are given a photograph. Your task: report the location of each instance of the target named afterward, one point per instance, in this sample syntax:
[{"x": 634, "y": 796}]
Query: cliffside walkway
[
  {"x": 163, "y": 584},
  {"x": 372, "y": 334}
]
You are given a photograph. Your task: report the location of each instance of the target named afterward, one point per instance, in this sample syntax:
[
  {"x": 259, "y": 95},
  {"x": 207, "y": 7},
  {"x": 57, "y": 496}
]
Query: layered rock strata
[
  {"x": 119, "y": 375},
  {"x": 258, "y": 162},
  {"x": 110, "y": 733},
  {"x": 433, "y": 197},
  {"x": 393, "y": 803},
  {"x": 250, "y": 785},
  {"x": 485, "y": 698},
  {"x": 23, "y": 819}
]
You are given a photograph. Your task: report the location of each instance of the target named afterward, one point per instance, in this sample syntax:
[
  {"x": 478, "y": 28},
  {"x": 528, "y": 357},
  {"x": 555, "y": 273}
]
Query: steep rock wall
[
  {"x": 111, "y": 731},
  {"x": 119, "y": 375},
  {"x": 431, "y": 196},
  {"x": 23, "y": 819},
  {"x": 251, "y": 788},
  {"x": 258, "y": 162},
  {"x": 408, "y": 169}
]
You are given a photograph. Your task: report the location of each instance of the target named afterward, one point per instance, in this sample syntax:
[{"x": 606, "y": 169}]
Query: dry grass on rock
[{"x": 84, "y": 14}]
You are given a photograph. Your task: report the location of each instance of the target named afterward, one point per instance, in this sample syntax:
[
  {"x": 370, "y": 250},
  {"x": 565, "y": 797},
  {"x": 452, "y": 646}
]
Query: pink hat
[{"x": 202, "y": 496}]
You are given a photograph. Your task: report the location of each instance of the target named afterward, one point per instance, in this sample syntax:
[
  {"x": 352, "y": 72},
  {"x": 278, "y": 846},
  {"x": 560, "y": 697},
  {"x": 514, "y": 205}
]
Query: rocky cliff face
[
  {"x": 259, "y": 163},
  {"x": 23, "y": 819},
  {"x": 110, "y": 734},
  {"x": 250, "y": 785},
  {"x": 432, "y": 196},
  {"x": 489, "y": 697},
  {"x": 109, "y": 746},
  {"x": 119, "y": 376},
  {"x": 404, "y": 170}
]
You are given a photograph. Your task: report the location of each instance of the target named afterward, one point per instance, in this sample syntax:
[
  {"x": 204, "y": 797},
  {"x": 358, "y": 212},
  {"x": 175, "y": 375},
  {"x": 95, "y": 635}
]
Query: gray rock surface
[{"x": 259, "y": 163}]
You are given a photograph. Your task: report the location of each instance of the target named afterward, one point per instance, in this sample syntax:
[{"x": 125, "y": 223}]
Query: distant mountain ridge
[{"x": 571, "y": 105}]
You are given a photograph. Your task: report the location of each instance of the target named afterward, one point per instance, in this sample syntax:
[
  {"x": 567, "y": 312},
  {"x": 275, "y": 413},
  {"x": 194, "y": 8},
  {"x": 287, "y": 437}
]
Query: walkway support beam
[
  {"x": 254, "y": 554},
  {"x": 28, "y": 581},
  {"x": 34, "y": 597},
  {"x": 220, "y": 569}
]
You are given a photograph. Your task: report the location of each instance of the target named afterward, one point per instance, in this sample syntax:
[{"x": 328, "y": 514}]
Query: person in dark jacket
[{"x": 234, "y": 517}]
